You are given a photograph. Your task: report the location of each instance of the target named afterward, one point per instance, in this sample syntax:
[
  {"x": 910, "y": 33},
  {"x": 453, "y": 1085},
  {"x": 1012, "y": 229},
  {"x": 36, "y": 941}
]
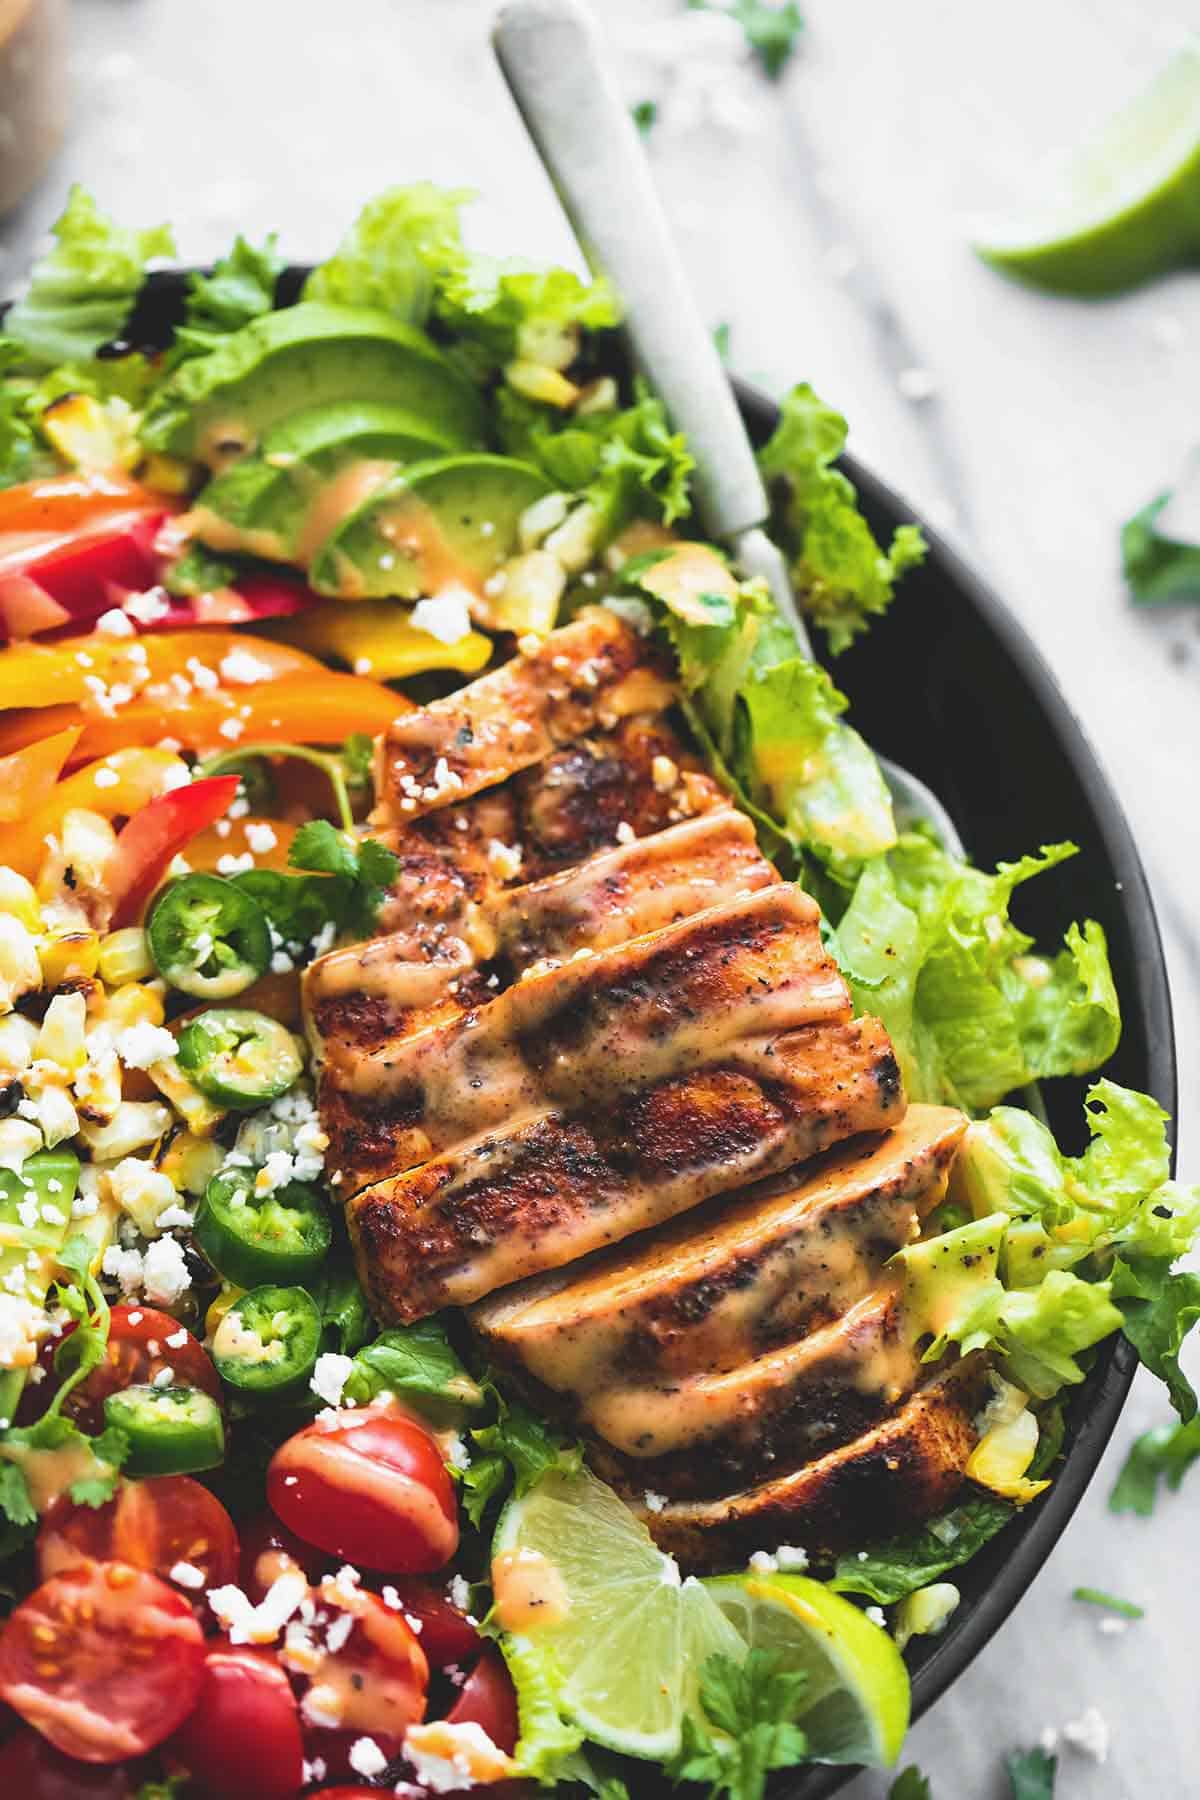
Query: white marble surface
[{"x": 831, "y": 236}]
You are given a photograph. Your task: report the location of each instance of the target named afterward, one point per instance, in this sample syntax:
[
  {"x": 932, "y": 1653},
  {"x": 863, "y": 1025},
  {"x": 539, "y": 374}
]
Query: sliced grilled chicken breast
[
  {"x": 590, "y": 673},
  {"x": 551, "y": 1189},
  {"x": 733, "y": 1279},
  {"x": 907, "y": 1469}
]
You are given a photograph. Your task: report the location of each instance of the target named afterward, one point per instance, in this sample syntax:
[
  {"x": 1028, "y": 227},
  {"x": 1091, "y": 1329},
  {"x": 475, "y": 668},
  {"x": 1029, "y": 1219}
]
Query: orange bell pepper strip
[
  {"x": 207, "y": 849},
  {"x": 141, "y": 775},
  {"x": 42, "y": 675},
  {"x": 64, "y": 502},
  {"x": 27, "y": 776}
]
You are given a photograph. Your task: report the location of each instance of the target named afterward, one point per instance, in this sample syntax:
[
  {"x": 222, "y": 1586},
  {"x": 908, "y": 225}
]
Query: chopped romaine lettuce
[
  {"x": 82, "y": 291},
  {"x": 843, "y": 577},
  {"x": 240, "y": 288},
  {"x": 928, "y": 946},
  {"x": 546, "y": 1740},
  {"x": 403, "y": 243}
]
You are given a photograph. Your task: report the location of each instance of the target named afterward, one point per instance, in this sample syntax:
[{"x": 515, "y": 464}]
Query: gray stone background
[{"x": 824, "y": 218}]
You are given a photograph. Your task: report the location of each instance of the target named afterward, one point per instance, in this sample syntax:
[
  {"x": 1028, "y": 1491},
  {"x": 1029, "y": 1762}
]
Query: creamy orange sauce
[
  {"x": 685, "y": 575},
  {"x": 412, "y": 527},
  {"x": 530, "y": 1592},
  {"x": 50, "y": 1473},
  {"x": 335, "y": 500}
]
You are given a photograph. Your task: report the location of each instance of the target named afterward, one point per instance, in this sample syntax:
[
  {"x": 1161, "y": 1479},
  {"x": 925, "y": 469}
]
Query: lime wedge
[
  {"x": 623, "y": 1654},
  {"x": 1127, "y": 206},
  {"x": 857, "y": 1700}
]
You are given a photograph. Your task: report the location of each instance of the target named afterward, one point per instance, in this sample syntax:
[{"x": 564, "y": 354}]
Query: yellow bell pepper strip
[
  {"x": 244, "y": 837},
  {"x": 377, "y": 637},
  {"x": 85, "y": 668},
  {"x": 141, "y": 775},
  {"x": 27, "y": 776}
]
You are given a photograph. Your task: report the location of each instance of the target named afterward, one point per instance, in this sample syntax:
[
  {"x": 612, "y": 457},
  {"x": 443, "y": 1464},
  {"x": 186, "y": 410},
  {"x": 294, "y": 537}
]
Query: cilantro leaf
[
  {"x": 644, "y": 114},
  {"x": 517, "y": 1450},
  {"x": 771, "y": 27},
  {"x": 364, "y": 870},
  {"x": 104, "y": 1456},
  {"x": 419, "y": 1361},
  {"x": 843, "y": 577},
  {"x": 82, "y": 291},
  {"x": 753, "y": 1705},
  {"x": 910, "y": 1784},
  {"x": 1031, "y": 1774},
  {"x": 1159, "y": 552},
  {"x": 1161, "y": 1456},
  {"x": 15, "y": 1502}
]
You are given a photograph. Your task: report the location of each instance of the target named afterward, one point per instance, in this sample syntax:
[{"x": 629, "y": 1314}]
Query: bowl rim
[
  {"x": 1108, "y": 1382},
  {"x": 1034, "y": 1535}
]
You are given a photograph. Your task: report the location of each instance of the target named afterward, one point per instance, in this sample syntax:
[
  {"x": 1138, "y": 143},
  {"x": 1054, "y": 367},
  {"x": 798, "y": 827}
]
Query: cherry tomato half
[
  {"x": 447, "y": 1635},
  {"x": 488, "y": 1698},
  {"x": 158, "y": 1524},
  {"x": 137, "y": 1351},
  {"x": 371, "y": 1684},
  {"x": 242, "y": 1741},
  {"x": 105, "y": 1661},
  {"x": 370, "y": 1486},
  {"x": 32, "y": 1769}
]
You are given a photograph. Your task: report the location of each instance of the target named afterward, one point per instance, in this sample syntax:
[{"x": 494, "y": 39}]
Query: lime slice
[
  {"x": 623, "y": 1653},
  {"x": 1126, "y": 206},
  {"x": 857, "y": 1699}
]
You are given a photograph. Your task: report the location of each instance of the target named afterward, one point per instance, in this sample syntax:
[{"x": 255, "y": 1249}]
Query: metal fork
[{"x": 552, "y": 59}]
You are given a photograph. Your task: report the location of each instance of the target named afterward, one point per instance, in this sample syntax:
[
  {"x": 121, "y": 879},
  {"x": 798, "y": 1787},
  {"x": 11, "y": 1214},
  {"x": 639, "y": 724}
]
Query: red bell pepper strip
[
  {"x": 150, "y": 840},
  {"x": 80, "y": 569}
]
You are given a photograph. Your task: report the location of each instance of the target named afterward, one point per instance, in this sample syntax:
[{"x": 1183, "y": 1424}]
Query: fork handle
[{"x": 551, "y": 56}]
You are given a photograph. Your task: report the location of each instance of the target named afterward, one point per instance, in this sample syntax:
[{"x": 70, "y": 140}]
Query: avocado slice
[
  {"x": 305, "y": 357},
  {"x": 451, "y": 520},
  {"x": 280, "y": 502}
]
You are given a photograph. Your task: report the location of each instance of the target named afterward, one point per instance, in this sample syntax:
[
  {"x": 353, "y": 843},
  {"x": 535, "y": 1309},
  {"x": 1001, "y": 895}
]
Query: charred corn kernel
[
  {"x": 528, "y": 601},
  {"x": 1002, "y": 1455},
  {"x": 166, "y": 474},
  {"x": 548, "y": 342},
  {"x": 18, "y": 898},
  {"x": 196, "y": 1109},
  {"x": 97, "y": 1226},
  {"x": 92, "y": 435},
  {"x": 537, "y": 382},
  {"x": 227, "y": 1297},
  {"x": 125, "y": 956},
  {"x": 61, "y": 1039},
  {"x": 540, "y": 519},
  {"x": 191, "y": 1161},
  {"x": 137, "y": 1123},
  {"x": 69, "y": 956},
  {"x": 56, "y": 1115},
  {"x": 135, "y": 1004},
  {"x": 78, "y": 856},
  {"x": 98, "y": 1088},
  {"x": 599, "y": 396},
  {"x": 574, "y": 542},
  {"x": 20, "y": 966},
  {"x": 17, "y": 1038},
  {"x": 18, "y": 1141},
  {"x": 924, "y": 1613},
  {"x": 143, "y": 1192}
]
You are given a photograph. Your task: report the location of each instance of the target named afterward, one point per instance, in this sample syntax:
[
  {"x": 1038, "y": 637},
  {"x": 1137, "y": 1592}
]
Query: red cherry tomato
[
  {"x": 155, "y": 1525},
  {"x": 105, "y": 1661},
  {"x": 31, "y": 1769},
  {"x": 242, "y": 1741},
  {"x": 488, "y": 1698},
  {"x": 447, "y": 1635},
  {"x": 269, "y": 1549},
  {"x": 147, "y": 844},
  {"x": 369, "y": 1486},
  {"x": 370, "y": 1683},
  {"x": 137, "y": 1351}
]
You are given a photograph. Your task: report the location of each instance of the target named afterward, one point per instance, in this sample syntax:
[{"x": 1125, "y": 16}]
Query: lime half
[
  {"x": 856, "y": 1703},
  {"x": 1127, "y": 206},
  {"x": 622, "y": 1637}
]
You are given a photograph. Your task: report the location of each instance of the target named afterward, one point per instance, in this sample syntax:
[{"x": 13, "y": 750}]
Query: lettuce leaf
[
  {"x": 501, "y": 309},
  {"x": 769, "y": 719},
  {"x": 545, "y": 1737},
  {"x": 1159, "y": 1457},
  {"x": 402, "y": 245},
  {"x": 928, "y": 946},
  {"x": 240, "y": 288},
  {"x": 82, "y": 291},
  {"x": 843, "y": 577},
  {"x": 627, "y": 462}
]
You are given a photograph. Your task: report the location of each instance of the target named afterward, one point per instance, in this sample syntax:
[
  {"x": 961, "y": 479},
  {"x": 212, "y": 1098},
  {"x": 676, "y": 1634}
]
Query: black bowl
[{"x": 951, "y": 686}]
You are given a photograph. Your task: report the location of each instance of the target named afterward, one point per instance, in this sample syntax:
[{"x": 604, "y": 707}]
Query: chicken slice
[
  {"x": 550, "y": 1189},
  {"x": 894, "y": 1476},
  {"x": 733, "y": 1279},
  {"x": 590, "y": 673},
  {"x": 708, "y": 989}
]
